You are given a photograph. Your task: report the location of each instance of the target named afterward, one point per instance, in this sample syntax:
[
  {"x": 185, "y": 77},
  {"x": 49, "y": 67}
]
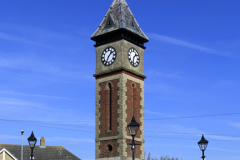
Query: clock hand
[
  {"x": 109, "y": 55},
  {"x": 134, "y": 58}
]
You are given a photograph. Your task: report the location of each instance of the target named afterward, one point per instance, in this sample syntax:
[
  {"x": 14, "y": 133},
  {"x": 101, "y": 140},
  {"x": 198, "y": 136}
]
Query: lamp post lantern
[
  {"x": 32, "y": 140},
  {"x": 203, "y": 146},
  {"x": 133, "y": 128}
]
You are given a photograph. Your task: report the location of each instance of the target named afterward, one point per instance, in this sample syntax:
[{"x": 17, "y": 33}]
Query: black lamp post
[
  {"x": 203, "y": 146},
  {"x": 32, "y": 140},
  {"x": 133, "y": 128}
]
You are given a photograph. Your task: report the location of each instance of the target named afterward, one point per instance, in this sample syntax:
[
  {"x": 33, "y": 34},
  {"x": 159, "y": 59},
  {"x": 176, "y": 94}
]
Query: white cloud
[
  {"x": 226, "y": 84},
  {"x": 224, "y": 138},
  {"x": 29, "y": 63},
  {"x": 7, "y": 137},
  {"x": 161, "y": 88},
  {"x": 3, "y": 139},
  {"x": 235, "y": 124},
  {"x": 57, "y": 139},
  {"x": 18, "y": 109},
  {"x": 36, "y": 65},
  {"x": 73, "y": 143},
  {"x": 178, "y": 130},
  {"x": 14, "y": 38},
  {"x": 175, "y": 75},
  {"x": 219, "y": 149},
  {"x": 188, "y": 146},
  {"x": 19, "y": 63},
  {"x": 4, "y": 101},
  {"x": 183, "y": 129},
  {"x": 33, "y": 35},
  {"x": 182, "y": 43},
  {"x": 179, "y": 42},
  {"x": 71, "y": 140},
  {"x": 33, "y": 95},
  {"x": 158, "y": 113}
]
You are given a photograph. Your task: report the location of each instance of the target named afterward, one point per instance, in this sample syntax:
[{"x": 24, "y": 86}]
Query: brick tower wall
[{"x": 127, "y": 99}]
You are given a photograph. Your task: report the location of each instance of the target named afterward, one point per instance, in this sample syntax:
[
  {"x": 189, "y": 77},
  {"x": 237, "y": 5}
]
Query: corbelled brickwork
[{"x": 127, "y": 99}]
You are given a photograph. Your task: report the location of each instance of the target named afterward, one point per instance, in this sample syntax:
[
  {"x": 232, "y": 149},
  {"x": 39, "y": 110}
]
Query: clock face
[
  {"x": 108, "y": 56},
  {"x": 133, "y": 57}
]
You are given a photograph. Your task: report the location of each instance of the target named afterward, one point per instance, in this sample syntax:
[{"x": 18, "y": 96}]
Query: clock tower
[{"x": 119, "y": 83}]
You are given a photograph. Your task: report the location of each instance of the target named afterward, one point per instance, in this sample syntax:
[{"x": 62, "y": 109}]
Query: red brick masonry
[
  {"x": 137, "y": 150},
  {"x": 109, "y": 113},
  {"x": 104, "y": 151}
]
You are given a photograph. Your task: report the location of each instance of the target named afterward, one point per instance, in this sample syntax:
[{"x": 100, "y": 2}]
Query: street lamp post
[
  {"x": 203, "y": 146},
  {"x": 22, "y": 145},
  {"x": 32, "y": 140},
  {"x": 133, "y": 128}
]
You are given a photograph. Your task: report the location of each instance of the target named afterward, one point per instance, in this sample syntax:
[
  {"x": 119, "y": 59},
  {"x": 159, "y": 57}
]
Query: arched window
[{"x": 108, "y": 107}]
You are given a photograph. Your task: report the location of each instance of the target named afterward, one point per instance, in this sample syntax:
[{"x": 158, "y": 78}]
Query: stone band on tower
[{"x": 119, "y": 83}]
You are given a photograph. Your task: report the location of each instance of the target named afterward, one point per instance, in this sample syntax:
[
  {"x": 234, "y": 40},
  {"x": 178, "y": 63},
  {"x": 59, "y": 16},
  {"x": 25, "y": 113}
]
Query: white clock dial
[
  {"x": 108, "y": 56},
  {"x": 133, "y": 57}
]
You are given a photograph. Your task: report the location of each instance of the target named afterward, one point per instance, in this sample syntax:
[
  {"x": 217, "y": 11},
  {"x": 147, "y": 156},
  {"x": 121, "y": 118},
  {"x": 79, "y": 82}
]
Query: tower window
[
  {"x": 109, "y": 23},
  {"x": 109, "y": 147},
  {"x": 132, "y": 24}
]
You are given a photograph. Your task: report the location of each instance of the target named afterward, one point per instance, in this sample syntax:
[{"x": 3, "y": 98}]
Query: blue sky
[{"x": 191, "y": 62}]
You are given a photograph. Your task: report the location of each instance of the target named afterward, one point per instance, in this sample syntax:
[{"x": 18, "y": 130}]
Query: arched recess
[
  {"x": 134, "y": 98},
  {"x": 108, "y": 107}
]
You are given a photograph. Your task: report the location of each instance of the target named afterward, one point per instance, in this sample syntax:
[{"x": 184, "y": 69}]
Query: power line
[
  {"x": 47, "y": 126},
  {"x": 66, "y": 127},
  {"x": 58, "y": 127},
  {"x": 186, "y": 138},
  {"x": 145, "y": 131},
  {"x": 171, "y": 138},
  {"x": 214, "y": 115},
  {"x": 191, "y": 133},
  {"x": 42, "y": 121}
]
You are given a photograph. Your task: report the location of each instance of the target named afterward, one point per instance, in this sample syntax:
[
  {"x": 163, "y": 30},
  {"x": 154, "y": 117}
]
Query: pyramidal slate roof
[
  {"x": 45, "y": 153},
  {"x": 119, "y": 16}
]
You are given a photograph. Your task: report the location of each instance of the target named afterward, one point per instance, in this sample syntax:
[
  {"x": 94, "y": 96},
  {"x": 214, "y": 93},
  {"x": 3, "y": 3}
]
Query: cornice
[{"x": 119, "y": 69}]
